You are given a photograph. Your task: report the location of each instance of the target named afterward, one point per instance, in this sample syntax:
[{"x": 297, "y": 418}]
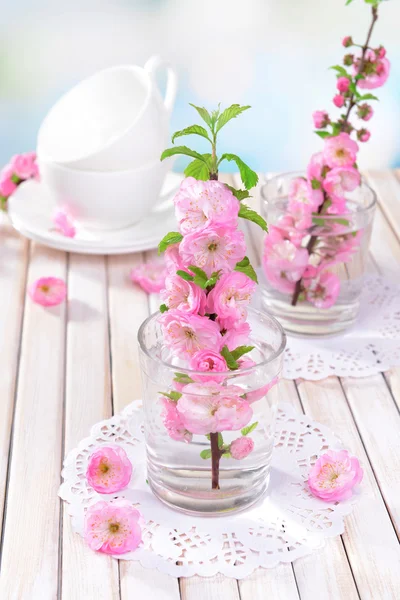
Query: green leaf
[
  {"x": 249, "y": 428},
  {"x": 192, "y": 129},
  {"x": 213, "y": 280},
  {"x": 173, "y": 237},
  {"x": 318, "y": 221},
  {"x": 181, "y": 150},
  {"x": 335, "y": 129},
  {"x": 230, "y": 361},
  {"x": 163, "y": 308},
  {"x": 206, "y": 453},
  {"x": 322, "y": 134},
  {"x": 199, "y": 169},
  {"x": 184, "y": 275},
  {"x": 240, "y": 351},
  {"x": 348, "y": 2},
  {"x": 245, "y": 267},
  {"x": 214, "y": 116},
  {"x": 340, "y": 70},
  {"x": 220, "y": 440},
  {"x": 228, "y": 114},
  {"x": 15, "y": 179},
  {"x": 197, "y": 271},
  {"x": 315, "y": 184},
  {"x": 227, "y": 454},
  {"x": 251, "y": 215},
  {"x": 368, "y": 97},
  {"x": 239, "y": 194},
  {"x": 340, "y": 221},
  {"x": 174, "y": 396},
  {"x": 205, "y": 115},
  {"x": 183, "y": 378},
  {"x": 248, "y": 176}
]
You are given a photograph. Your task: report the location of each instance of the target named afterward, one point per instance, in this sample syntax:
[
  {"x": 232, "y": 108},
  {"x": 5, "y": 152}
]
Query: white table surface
[{"x": 65, "y": 368}]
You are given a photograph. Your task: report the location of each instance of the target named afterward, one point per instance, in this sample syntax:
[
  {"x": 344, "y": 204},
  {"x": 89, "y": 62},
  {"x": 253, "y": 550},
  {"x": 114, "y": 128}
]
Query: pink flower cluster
[
  {"x": 207, "y": 213},
  {"x": 20, "y": 168},
  {"x": 286, "y": 260},
  {"x": 316, "y": 233},
  {"x": 205, "y": 314}
]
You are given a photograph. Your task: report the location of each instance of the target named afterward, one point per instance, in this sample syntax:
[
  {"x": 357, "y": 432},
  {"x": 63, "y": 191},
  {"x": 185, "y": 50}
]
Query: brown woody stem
[{"x": 215, "y": 458}]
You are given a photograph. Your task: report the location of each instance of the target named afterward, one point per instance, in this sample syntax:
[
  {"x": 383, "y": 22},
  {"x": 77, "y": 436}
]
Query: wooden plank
[
  {"x": 128, "y": 307},
  {"x": 369, "y": 537},
  {"x": 13, "y": 268},
  {"x": 270, "y": 583},
  {"x": 386, "y": 184},
  {"x": 378, "y": 422},
  {"x": 86, "y": 574},
  {"x": 218, "y": 587},
  {"x": 31, "y": 530}
]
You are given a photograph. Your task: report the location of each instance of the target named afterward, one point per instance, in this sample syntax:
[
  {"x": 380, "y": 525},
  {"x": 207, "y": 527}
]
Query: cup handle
[{"x": 152, "y": 65}]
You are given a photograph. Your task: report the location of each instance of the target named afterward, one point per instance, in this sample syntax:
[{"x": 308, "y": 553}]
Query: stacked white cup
[{"x": 99, "y": 146}]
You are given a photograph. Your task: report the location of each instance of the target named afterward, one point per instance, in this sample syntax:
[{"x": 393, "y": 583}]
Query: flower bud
[
  {"x": 348, "y": 60},
  {"x": 343, "y": 84},
  {"x": 338, "y": 100},
  {"x": 347, "y": 41},
  {"x": 365, "y": 111},
  {"x": 363, "y": 135}
]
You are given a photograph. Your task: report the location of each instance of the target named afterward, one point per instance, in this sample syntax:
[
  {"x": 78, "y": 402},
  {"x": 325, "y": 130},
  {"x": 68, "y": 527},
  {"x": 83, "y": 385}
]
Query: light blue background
[{"x": 272, "y": 55}]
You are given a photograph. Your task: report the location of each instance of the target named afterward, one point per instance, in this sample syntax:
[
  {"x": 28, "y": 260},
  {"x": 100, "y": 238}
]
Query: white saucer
[{"x": 31, "y": 209}]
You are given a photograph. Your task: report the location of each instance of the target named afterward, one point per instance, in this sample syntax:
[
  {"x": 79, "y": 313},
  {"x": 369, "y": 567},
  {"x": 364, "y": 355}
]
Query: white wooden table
[{"x": 63, "y": 369}]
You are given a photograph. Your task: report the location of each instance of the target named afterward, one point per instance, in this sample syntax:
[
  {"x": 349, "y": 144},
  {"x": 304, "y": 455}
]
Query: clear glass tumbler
[
  {"x": 209, "y": 436},
  {"x": 315, "y": 291}
]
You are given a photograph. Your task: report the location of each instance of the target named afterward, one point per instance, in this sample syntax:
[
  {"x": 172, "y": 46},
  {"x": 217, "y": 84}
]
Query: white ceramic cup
[
  {"x": 114, "y": 120},
  {"x": 106, "y": 200}
]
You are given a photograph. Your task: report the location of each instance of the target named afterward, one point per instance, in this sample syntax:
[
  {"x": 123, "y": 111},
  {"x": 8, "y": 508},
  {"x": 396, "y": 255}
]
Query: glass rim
[
  {"x": 276, "y": 354},
  {"x": 371, "y": 205}
]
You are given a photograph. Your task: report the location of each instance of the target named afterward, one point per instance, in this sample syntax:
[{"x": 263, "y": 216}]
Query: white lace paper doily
[
  {"x": 370, "y": 346},
  {"x": 287, "y": 524}
]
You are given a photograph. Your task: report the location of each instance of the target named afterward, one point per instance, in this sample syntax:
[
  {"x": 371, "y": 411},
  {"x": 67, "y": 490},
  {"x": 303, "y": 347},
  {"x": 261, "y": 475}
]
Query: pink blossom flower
[
  {"x": 343, "y": 84},
  {"x": 378, "y": 71},
  {"x": 173, "y": 261},
  {"x": 261, "y": 392},
  {"x": 341, "y": 180},
  {"x": 334, "y": 476},
  {"x": 301, "y": 193},
  {"x": 150, "y": 276},
  {"x": 314, "y": 169},
  {"x": 24, "y": 165},
  {"x": 323, "y": 290},
  {"x": 363, "y": 135},
  {"x": 381, "y": 52},
  {"x": 213, "y": 249},
  {"x": 109, "y": 470},
  {"x": 241, "y": 447},
  {"x": 237, "y": 335},
  {"x": 113, "y": 527},
  {"x": 202, "y": 203},
  {"x": 365, "y": 111},
  {"x": 284, "y": 264},
  {"x": 321, "y": 119},
  {"x": 7, "y": 185},
  {"x": 173, "y": 422},
  {"x": 340, "y": 151},
  {"x": 64, "y": 223},
  {"x": 210, "y": 362},
  {"x": 338, "y": 100},
  {"x": 183, "y": 295},
  {"x": 230, "y": 298},
  {"x": 347, "y": 41},
  {"x": 48, "y": 291},
  {"x": 208, "y": 408},
  {"x": 187, "y": 334}
]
